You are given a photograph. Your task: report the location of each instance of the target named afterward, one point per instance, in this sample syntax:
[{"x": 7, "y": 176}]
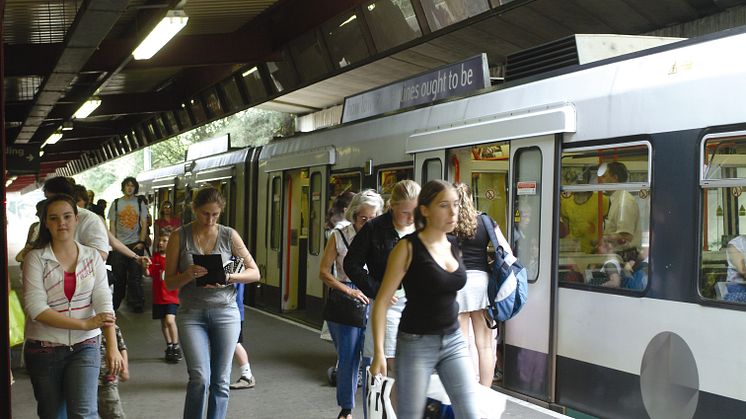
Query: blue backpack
[{"x": 507, "y": 287}]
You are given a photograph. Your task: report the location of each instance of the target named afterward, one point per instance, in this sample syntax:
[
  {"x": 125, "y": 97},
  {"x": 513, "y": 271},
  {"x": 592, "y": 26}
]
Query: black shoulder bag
[{"x": 343, "y": 309}]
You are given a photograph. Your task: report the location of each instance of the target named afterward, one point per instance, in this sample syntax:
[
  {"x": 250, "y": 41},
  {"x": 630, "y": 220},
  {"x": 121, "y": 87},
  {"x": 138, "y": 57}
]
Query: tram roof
[{"x": 60, "y": 53}]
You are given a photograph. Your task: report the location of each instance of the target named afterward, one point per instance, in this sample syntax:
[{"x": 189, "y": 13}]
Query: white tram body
[{"x": 673, "y": 115}]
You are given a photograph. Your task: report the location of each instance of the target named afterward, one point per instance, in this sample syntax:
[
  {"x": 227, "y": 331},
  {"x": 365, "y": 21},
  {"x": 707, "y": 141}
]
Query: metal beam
[{"x": 92, "y": 23}]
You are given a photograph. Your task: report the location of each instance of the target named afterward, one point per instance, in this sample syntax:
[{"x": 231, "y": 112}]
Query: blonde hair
[
  {"x": 466, "y": 226},
  {"x": 404, "y": 190}
]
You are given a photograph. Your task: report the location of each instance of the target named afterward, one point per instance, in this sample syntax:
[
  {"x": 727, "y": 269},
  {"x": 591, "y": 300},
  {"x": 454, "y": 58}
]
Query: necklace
[{"x": 198, "y": 239}]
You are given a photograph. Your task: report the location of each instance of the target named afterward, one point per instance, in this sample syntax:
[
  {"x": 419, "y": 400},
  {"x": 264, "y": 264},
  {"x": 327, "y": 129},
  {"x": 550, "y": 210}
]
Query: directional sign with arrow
[{"x": 22, "y": 159}]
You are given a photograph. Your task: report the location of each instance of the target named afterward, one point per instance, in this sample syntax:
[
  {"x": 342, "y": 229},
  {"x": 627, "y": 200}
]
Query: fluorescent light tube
[
  {"x": 166, "y": 29},
  {"x": 351, "y": 18},
  {"x": 56, "y": 136},
  {"x": 87, "y": 108},
  {"x": 249, "y": 71}
]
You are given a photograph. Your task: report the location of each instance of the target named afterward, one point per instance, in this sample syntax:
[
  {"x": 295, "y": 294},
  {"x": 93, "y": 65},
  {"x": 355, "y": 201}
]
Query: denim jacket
[
  {"x": 43, "y": 288},
  {"x": 371, "y": 246}
]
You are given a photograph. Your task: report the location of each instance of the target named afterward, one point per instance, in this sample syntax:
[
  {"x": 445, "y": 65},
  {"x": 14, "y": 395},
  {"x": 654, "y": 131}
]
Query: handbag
[
  {"x": 343, "y": 309},
  {"x": 378, "y": 397},
  {"x": 17, "y": 319}
]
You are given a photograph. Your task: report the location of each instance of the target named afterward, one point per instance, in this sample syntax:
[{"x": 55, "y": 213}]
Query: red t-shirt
[
  {"x": 69, "y": 285},
  {"x": 166, "y": 227},
  {"x": 157, "y": 269}
]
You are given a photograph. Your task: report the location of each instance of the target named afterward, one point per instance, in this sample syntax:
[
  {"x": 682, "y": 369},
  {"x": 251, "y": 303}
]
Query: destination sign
[{"x": 452, "y": 80}]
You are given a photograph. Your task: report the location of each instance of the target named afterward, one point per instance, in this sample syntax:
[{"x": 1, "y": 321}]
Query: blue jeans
[
  {"x": 208, "y": 338},
  {"x": 417, "y": 356},
  {"x": 349, "y": 343},
  {"x": 64, "y": 380}
]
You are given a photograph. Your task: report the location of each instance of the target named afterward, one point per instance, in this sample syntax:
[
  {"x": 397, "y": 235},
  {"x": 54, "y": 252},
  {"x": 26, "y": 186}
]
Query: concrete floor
[{"x": 288, "y": 361}]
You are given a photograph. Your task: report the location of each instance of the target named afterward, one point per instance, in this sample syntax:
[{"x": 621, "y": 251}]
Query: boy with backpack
[{"x": 128, "y": 217}]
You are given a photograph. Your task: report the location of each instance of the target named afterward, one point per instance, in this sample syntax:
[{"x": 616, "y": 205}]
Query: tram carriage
[{"x": 672, "y": 115}]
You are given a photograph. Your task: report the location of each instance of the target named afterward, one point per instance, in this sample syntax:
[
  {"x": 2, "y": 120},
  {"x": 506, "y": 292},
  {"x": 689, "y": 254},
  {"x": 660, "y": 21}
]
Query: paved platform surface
[{"x": 288, "y": 360}]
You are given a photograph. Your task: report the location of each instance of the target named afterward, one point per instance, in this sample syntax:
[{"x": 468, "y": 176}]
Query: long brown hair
[
  {"x": 208, "y": 195},
  {"x": 428, "y": 193},
  {"x": 45, "y": 237}
]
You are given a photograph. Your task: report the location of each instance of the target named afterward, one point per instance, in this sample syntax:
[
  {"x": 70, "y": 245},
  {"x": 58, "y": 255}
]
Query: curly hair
[{"x": 466, "y": 227}]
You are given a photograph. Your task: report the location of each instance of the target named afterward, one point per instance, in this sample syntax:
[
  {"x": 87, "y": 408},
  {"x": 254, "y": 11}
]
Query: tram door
[
  {"x": 294, "y": 239},
  {"x": 530, "y": 342}
]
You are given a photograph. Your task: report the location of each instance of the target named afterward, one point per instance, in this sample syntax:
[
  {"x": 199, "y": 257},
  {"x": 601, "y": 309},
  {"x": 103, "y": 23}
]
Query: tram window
[
  {"x": 527, "y": 209},
  {"x": 605, "y": 216},
  {"x": 316, "y": 215},
  {"x": 391, "y": 22},
  {"x": 442, "y": 13},
  {"x": 275, "y": 213},
  {"x": 340, "y": 183},
  {"x": 387, "y": 178},
  {"x": 723, "y": 179},
  {"x": 432, "y": 169}
]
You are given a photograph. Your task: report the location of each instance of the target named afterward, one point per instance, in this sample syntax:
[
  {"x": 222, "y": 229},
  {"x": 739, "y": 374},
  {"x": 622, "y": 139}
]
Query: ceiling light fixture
[
  {"x": 252, "y": 70},
  {"x": 67, "y": 126},
  {"x": 166, "y": 29},
  {"x": 53, "y": 139},
  {"x": 87, "y": 108},
  {"x": 353, "y": 17}
]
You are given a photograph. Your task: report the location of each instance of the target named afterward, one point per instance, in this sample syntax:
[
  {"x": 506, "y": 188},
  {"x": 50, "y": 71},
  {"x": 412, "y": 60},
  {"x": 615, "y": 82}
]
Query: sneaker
[
  {"x": 243, "y": 382},
  {"x": 169, "y": 354},
  {"x": 176, "y": 351}
]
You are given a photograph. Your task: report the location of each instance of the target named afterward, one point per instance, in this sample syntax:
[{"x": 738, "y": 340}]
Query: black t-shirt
[
  {"x": 474, "y": 250},
  {"x": 431, "y": 307}
]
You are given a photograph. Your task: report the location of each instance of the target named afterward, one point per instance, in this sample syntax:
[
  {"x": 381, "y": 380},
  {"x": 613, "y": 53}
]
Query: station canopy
[{"x": 297, "y": 56}]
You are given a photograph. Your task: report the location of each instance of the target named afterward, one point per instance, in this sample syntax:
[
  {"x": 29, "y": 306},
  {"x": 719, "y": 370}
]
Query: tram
[{"x": 537, "y": 153}]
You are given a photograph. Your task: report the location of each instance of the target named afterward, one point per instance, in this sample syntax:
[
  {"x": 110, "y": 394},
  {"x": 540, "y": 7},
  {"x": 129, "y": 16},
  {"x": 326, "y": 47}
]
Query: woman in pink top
[{"x": 67, "y": 299}]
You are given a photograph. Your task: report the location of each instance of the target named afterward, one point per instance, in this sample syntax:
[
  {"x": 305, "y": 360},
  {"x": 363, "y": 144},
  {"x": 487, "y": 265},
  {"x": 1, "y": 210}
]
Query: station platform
[{"x": 288, "y": 359}]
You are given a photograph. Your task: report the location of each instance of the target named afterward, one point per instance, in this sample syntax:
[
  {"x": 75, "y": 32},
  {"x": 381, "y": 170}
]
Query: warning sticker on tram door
[{"x": 526, "y": 188}]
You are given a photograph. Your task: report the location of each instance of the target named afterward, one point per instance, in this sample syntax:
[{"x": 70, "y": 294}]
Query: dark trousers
[{"x": 127, "y": 279}]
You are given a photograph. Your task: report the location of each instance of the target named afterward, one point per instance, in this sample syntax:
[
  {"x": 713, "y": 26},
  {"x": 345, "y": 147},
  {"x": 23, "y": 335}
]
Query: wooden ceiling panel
[
  {"x": 221, "y": 16},
  {"x": 38, "y": 21}
]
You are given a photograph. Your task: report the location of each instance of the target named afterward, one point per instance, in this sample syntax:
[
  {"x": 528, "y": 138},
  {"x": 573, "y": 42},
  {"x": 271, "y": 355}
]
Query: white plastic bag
[
  {"x": 325, "y": 334},
  {"x": 378, "y": 397}
]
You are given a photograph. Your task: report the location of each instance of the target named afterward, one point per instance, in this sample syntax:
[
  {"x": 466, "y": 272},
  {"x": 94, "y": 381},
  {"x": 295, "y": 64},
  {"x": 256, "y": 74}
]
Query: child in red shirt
[{"x": 165, "y": 302}]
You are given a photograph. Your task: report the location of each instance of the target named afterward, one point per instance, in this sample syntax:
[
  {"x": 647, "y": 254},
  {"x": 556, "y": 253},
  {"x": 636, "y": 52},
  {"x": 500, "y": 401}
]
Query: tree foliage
[{"x": 249, "y": 128}]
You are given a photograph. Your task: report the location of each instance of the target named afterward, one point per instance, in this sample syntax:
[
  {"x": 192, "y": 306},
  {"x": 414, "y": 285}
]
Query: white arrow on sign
[{"x": 30, "y": 158}]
